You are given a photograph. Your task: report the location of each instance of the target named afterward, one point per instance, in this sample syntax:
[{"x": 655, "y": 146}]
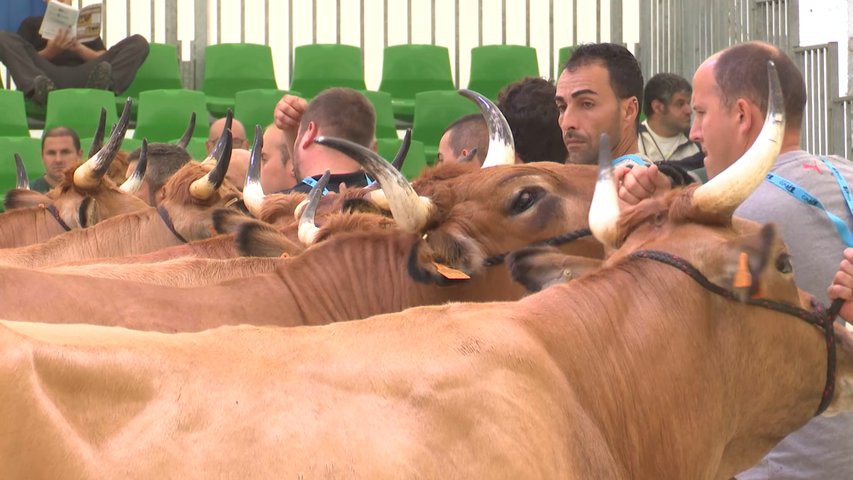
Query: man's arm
[{"x": 288, "y": 114}]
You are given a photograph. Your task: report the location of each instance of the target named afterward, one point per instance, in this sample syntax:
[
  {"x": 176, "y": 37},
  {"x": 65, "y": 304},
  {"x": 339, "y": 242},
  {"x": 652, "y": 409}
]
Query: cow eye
[
  {"x": 525, "y": 199},
  {"x": 783, "y": 263}
]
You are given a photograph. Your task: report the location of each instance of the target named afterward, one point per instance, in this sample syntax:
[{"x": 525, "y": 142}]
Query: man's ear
[
  {"x": 311, "y": 132},
  {"x": 745, "y": 112},
  {"x": 657, "y": 106},
  {"x": 632, "y": 108},
  {"x": 374, "y": 146}
]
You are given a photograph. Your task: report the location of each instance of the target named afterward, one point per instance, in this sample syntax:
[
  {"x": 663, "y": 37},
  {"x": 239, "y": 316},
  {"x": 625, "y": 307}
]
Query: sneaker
[
  {"x": 41, "y": 87},
  {"x": 101, "y": 77}
]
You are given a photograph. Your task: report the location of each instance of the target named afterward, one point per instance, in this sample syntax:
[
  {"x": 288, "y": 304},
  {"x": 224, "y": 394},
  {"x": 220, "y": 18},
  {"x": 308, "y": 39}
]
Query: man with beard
[
  {"x": 599, "y": 91},
  {"x": 663, "y": 133}
]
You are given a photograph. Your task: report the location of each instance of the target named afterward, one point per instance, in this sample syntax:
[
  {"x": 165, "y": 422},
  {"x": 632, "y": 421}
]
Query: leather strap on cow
[
  {"x": 53, "y": 211},
  {"x": 553, "y": 241},
  {"x": 167, "y": 219},
  {"x": 820, "y": 318}
]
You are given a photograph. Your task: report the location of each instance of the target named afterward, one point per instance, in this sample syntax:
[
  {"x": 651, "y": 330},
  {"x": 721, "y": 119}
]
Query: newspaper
[{"x": 85, "y": 24}]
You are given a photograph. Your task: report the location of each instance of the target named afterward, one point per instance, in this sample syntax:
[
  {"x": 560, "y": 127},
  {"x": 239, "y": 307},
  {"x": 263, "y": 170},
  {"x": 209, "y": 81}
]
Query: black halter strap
[
  {"x": 553, "y": 241},
  {"x": 820, "y": 318},
  {"x": 53, "y": 211},
  {"x": 164, "y": 214}
]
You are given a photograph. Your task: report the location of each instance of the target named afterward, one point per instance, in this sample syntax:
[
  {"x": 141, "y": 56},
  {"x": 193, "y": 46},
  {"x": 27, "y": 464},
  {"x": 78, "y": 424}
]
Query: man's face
[
  {"x": 445, "y": 152},
  {"x": 588, "y": 107},
  {"x": 58, "y": 154},
  {"x": 714, "y": 124},
  {"x": 676, "y": 114},
  {"x": 276, "y": 172}
]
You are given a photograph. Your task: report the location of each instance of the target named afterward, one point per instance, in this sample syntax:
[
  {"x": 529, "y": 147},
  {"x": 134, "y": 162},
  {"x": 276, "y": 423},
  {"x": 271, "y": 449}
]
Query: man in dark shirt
[
  {"x": 336, "y": 112},
  {"x": 60, "y": 150},
  {"x": 39, "y": 65}
]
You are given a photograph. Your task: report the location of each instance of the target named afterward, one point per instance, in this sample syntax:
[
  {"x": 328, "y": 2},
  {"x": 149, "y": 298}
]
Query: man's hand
[
  {"x": 639, "y": 183},
  {"x": 288, "y": 114},
  {"x": 842, "y": 285},
  {"x": 61, "y": 42}
]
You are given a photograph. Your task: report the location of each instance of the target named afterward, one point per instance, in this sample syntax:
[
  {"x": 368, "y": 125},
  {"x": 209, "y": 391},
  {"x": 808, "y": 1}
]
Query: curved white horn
[
  {"x": 501, "y": 145},
  {"x": 132, "y": 184},
  {"x": 729, "y": 188},
  {"x": 253, "y": 192},
  {"x": 410, "y": 211},
  {"x": 206, "y": 186},
  {"x": 308, "y": 230},
  {"x": 89, "y": 174},
  {"x": 604, "y": 209}
]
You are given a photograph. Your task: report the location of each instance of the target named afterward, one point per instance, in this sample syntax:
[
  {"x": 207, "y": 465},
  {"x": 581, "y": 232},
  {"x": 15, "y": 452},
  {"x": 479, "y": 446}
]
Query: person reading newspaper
[{"x": 58, "y": 58}]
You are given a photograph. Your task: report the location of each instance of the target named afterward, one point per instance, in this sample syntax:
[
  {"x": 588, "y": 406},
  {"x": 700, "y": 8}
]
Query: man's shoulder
[{"x": 40, "y": 185}]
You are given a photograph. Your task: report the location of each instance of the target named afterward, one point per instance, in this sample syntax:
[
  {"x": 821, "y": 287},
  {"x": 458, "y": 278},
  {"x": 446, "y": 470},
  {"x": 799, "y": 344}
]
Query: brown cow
[
  {"x": 191, "y": 194},
  {"x": 605, "y": 377}
]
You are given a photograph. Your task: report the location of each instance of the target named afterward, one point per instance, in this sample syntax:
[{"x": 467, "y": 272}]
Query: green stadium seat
[
  {"x": 415, "y": 158},
  {"x": 410, "y": 69},
  {"x": 256, "y": 107},
  {"x": 563, "y": 54},
  {"x": 496, "y": 66},
  {"x": 164, "y": 115},
  {"x": 13, "y": 121},
  {"x": 434, "y": 111},
  {"x": 79, "y": 109},
  {"x": 232, "y": 67},
  {"x": 160, "y": 70},
  {"x": 386, "y": 127},
  {"x": 317, "y": 67},
  {"x": 197, "y": 147},
  {"x": 30, "y": 151}
]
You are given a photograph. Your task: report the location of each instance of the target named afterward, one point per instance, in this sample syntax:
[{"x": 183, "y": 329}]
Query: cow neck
[
  {"x": 821, "y": 319},
  {"x": 53, "y": 211},
  {"x": 553, "y": 242},
  {"x": 167, "y": 219}
]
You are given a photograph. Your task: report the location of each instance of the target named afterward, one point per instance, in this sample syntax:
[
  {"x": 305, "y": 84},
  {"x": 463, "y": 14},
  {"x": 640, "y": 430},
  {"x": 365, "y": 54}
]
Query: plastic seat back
[
  {"x": 411, "y": 69},
  {"x": 232, "y": 67},
  {"x": 13, "y": 121},
  {"x": 434, "y": 111},
  {"x": 317, "y": 67},
  {"x": 164, "y": 115},
  {"x": 496, "y": 66},
  {"x": 79, "y": 109},
  {"x": 385, "y": 124}
]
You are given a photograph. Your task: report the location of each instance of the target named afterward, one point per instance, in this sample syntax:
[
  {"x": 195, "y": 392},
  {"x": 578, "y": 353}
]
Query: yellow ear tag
[
  {"x": 743, "y": 279},
  {"x": 450, "y": 273}
]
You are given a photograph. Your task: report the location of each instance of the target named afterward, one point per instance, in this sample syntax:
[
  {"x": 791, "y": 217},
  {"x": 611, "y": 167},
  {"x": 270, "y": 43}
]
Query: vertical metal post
[
  {"x": 503, "y": 22},
  {"x": 338, "y": 21},
  {"x": 480, "y": 22},
  {"x": 551, "y": 42},
  {"x": 409, "y": 21},
  {"x": 266, "y": 22},
  {"x": 456, "y": 45},
  {"x": 575, "y": 22},
  {"x": 385, "y": 22},
  {"x": 171, "y": 14},
  {"x": 243, "y": 21},
  {"x": 835, "y": 120},
  {"x": 527, "y": 23},
  {"x": 616, "y": 21},
  {"x": 597, "y": 20},
  {"x": 200, "y": 42},
  {"x": 432, "y": 24}
]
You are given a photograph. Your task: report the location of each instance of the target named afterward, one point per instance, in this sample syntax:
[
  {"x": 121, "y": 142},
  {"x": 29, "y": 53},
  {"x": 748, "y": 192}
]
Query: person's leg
[
  {"x": 125, "y": 57},
  {"x": 23, "y": 61}
]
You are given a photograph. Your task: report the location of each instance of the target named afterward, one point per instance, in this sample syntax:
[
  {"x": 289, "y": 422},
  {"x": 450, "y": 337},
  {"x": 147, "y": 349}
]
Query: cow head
[
  {"x": 196, "y": 190},
  {"x": 86, "y": 195}
]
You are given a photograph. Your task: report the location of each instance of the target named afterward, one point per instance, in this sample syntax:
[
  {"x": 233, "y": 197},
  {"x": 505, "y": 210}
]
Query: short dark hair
[
  {"x": 164, "y": 159},
  {"x": 529, "y": 108},
  {"x": 626, "y": 79},
  {"x": 344, "y": 113},
  {"x": 741, "y": 72},
  {"x": 469, "y": 131},
  {"x": 662, "y": 87},
  {"x": 62, "y": 132}
]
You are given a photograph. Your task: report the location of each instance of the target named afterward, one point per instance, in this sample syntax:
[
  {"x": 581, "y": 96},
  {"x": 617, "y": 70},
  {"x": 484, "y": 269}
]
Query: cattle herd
[{"x": 390, "y": 331}]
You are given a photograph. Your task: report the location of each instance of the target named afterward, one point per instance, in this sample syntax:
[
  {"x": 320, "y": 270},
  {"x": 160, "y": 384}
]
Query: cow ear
[
  {"x": 18, "y": 198},
  {"x": 254, "y": 238},
  {"x": 442, "y": 258},
  {"x": 745, "y": 264},
  {"x": 537, "y": 268},
  {"x": 89, "y": 212}
]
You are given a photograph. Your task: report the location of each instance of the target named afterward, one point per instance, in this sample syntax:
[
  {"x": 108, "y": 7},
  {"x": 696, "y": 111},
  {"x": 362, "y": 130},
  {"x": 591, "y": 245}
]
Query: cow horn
[
  {"x": 410, "y": 211},
  {"x": 307, "y": 228},
  {"x": 23, "y": 182},
  {"x": 188, "y": 133},
  {"x": 604, "y": 209},
  {"x": 206, "y": 186},
  {"x": 211, "y": 158},
  {"x": 403, "y": 151},
  {"x": 132, "y": 184},
  {"x": 723, "y": 193},
  {"x": 501, "y": 145},
  {"x": 253, "y": 192},
  {"x": 89, "y": 174},
  {"x": 98, "y": 139}
]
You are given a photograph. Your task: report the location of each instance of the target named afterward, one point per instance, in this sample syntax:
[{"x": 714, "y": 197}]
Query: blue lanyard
[
  {"x": 311, "y": 183},
  {"x": 630, "y": 157},
  {"x": 804, "y": 196}
]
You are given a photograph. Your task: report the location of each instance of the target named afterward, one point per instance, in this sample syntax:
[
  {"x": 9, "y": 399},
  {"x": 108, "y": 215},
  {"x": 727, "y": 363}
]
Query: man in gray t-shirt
[{"x": 730, "y": 102}]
